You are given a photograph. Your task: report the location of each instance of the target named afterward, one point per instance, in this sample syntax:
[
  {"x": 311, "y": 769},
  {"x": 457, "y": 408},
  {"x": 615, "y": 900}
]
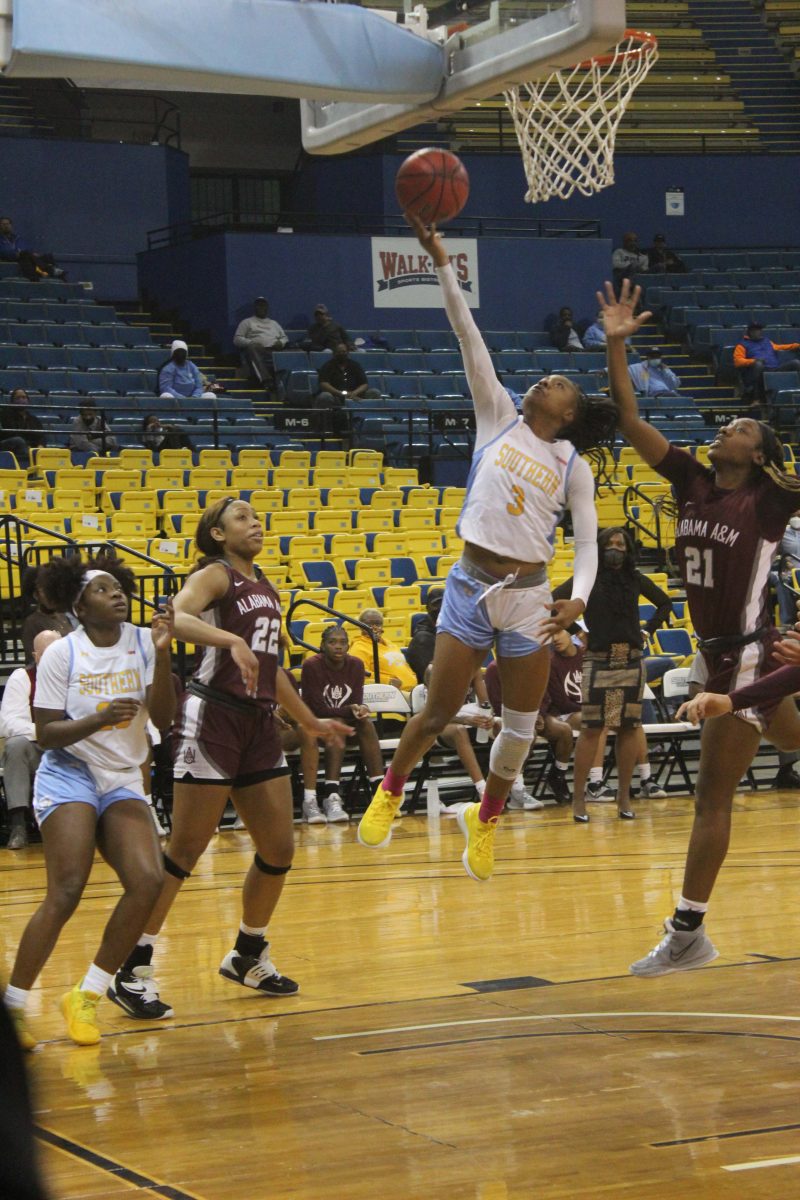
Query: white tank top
[{"x": 78, "y": 678}]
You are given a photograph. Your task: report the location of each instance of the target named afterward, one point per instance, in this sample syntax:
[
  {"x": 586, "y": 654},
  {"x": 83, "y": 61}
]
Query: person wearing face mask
[
  {"x": 179, "y": 378},
  {"x": 613, "y": 676},
  {"x": 789, "y": 560},
  {"x": 652, "y": 379}
]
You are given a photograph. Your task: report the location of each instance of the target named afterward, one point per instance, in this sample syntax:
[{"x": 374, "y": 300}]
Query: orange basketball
[{"x": 433, "y": 185}]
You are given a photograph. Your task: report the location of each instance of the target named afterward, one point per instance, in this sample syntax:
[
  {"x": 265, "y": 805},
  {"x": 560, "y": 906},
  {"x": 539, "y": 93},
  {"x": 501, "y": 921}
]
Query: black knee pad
[
  {"x": 173, "y": 869},
  {"x": 268, "y": 869}
]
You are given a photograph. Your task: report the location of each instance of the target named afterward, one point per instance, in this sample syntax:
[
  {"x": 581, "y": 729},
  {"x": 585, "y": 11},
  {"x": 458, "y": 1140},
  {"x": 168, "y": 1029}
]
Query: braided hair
[
  {"x": 772, "y": 448},
  {"x": 592, "y": 433},
  {"x": 62, "y": 578}
]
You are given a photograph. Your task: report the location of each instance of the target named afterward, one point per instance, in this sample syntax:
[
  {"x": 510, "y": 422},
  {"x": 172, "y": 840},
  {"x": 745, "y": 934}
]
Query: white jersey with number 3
[
  {"x": 519, "y": 485},
  {"x": 79, "y": 679}
]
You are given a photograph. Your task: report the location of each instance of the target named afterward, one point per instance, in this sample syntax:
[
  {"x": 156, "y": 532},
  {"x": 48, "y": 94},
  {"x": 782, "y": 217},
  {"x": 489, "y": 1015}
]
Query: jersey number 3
[
  {"x": 265, "y": 636},
  {"x": 516, "y": 505},
  {"x": 700, "y": 567}
]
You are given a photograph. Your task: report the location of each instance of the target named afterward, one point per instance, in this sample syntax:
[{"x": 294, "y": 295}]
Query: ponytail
[
  {"x": 592, "y": 433},
  {"x": 211, "y": 551}
]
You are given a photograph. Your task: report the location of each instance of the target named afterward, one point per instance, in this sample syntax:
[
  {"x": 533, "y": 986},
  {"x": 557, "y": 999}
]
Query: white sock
[
  {"x": 147, "y": 939},
  {"x": 691, "y": 905},
  {"x": 15, "y": 997},
  {"x": 561, "y": 766},
  {"x": 252, "y": 931},
  {"x": 595, "y": 775},
  {"x": 480, "y": 787},
  {"x": 644, "y": 771},
  {"x": 309, "y": 795},
  {"x": 96, "y": 980}
]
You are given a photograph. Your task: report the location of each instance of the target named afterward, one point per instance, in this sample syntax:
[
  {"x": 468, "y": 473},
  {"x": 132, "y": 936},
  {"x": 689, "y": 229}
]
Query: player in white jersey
[
  {"x": 525, "y": 471},
  {"x": 94, "y": 691}
]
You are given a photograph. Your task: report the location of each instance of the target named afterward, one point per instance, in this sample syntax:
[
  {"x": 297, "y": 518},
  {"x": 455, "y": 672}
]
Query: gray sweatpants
[{"x": 20, "y": 760}]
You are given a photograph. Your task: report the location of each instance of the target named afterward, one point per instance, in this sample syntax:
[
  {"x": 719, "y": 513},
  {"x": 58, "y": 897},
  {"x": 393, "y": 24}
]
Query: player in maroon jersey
[
  {"x": 228, "y": 744},
  {"x": 731, "y": 517}
]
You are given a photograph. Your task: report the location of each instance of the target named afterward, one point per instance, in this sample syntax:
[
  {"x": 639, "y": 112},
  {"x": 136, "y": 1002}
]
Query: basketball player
[
  {"x": 228, "y": 744},
  {"x": 526, "y": 469},
  {"x": 94, "y": 691},
  {"x": 731, "y": 517}
]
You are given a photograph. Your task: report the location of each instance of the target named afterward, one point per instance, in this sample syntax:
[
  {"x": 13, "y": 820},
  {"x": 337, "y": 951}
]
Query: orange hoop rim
[{"x": 649, "y": 42}]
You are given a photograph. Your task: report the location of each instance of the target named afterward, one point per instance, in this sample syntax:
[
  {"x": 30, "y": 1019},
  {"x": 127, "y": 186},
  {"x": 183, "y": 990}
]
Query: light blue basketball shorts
[
  {"x": 64, "y": 779},
  {"x": 483, "y": 611}
]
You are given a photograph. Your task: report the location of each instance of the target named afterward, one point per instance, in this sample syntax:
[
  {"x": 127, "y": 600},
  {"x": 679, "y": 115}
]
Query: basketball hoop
[{"x": 566, "y": 124}]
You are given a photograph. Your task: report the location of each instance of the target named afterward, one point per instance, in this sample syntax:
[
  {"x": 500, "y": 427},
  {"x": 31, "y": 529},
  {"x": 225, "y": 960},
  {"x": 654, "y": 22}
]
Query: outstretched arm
[
  {"x": 494, "y": 408},
  {"x": 620, "y": 323}
]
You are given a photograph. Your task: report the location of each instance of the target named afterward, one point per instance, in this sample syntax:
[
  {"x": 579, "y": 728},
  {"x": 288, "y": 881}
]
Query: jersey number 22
[{"x": 265, "y": 635}]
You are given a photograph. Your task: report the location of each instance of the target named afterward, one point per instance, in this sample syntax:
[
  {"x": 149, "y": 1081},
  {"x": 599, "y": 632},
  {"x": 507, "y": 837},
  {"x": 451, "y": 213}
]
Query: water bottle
[
  {"x": 482, "y": 736},
  {"x": 432, "y": 799}
]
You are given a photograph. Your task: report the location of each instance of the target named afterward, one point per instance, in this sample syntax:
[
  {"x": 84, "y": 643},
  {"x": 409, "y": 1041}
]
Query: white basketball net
[{"x": 566, "y": 124}]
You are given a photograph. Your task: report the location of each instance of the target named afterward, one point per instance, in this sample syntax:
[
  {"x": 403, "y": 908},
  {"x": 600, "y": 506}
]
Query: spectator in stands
[
  {"x": 40, "y": 612},
  {"x": 179, "y": 377},
  {"x": 419, "y": 654},
  {"x": 613, "y": 672},
  {"x": 89, "y": 431},
  {"x": 19, "y": 428},
  {"x": 628, "y": 261},
  {"x": 754, "y": 355},
  {"x": 31, "y": 264},
  {"x": 391, "y": 661},
  {"x": 594, "y": 337},
  {"x": 156, "y": 436},
  {"x": 662, "y": 259},
  {"x": 21, "y": 754},
  {"x": 324, "y": 333},
  {"x": 652, "y": 379},
  {"x": 342, "y": 378},
  {"x": 564, "y": 335},
  {"x": 332, "y": 685},
  {"x": 789, "y": 560},
  {"x": 256, "y": 337}
]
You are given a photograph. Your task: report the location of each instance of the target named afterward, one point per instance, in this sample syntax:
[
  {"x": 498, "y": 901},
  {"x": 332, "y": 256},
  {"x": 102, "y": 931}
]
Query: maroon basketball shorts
[
  {"x": 216, "y": 743},
  {"x": 741, "y": 666}
]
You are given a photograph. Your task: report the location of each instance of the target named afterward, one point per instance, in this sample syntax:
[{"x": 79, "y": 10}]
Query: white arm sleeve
[
  {"x": 15, "y": 709},
  {"x": 580, "y": 498},
  {"x": 494, "y": 408},
  {"x": 52, "y": 677}
]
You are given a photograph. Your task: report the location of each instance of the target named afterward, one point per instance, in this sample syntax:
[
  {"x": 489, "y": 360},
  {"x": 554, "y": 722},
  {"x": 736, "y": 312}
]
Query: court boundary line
[{"x": 110, "y": 1166}]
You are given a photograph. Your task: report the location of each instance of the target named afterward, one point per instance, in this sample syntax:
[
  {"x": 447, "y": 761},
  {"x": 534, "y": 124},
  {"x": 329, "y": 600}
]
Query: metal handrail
[{"x": 332, "y": 612}]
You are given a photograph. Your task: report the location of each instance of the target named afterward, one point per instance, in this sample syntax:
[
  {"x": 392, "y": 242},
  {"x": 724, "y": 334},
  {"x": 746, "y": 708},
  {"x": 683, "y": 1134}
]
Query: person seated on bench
[
  {"x": 391, "y": 661},
  {"x": 332, "y": 685}
]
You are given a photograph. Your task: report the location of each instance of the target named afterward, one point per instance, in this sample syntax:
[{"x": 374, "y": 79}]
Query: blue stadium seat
[
  {"x": 10, "y": 379},
  {"x": 70, "y": 334},
  {"x": 407, "y": 361},
  {"x": 401, "y": 339},
  {"x": 15, "y": 357},
  {"x": 442, "y": 361},
  {"x": 437, "y": 339},
  {"x": 502, "y": 339}
]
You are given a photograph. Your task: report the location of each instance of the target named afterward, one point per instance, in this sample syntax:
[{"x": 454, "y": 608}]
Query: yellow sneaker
[
  {"x": 478, "y": 858},
  {"x": 80, "y": 1013},
  {"x": 375, "y": 827},
  {"x": 24, "y": 1036}
]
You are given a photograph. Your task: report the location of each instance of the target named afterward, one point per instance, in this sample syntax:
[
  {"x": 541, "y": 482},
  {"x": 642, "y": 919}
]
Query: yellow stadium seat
[
  {"x": 453, "y": 497},
  {"x": 372, "y": 572},
  {"x": 313, "y": 630},
  {"x": 366, "y": 458},
  {"x": 397, "y": 627},
  {"x": 204, "y": 478},
  {"x": 331, "y": 458},
  {"x": 50, "y": 458},
  {"x": 181, "y": 459},
  {"x": 133, "y": 524},
  {"x": 255, "y": 460},
  {"x": 76, "y": 479},
  {"x": 343, "y": 497},
  {"x": 173, "y": 552},
  {"x": 400, "y": 477},
  {"x": 423, "y": 498},
  {"x": 329, "y": 476},
  {"x": 8, "y": 500},
  {"x": 443, "y": 565},
  {"x": 267, "y": 500},
  {"x": 288, "y": 522},
  {"x": 16, "y": 480},
  {"x": 332, "y": 520},
  {"x": 391, "y": 543},
  {"x": 309, "y": 547},
  {"x": 353, "y": 601},
  {"x": 219, "y": 459},
  {"x": 453, "y": 544},
  {"x": 130, "y": 501},
  {"x": 448, "y": 518},
  {"x": 101, "y": 462},
  {"x": 270, "y": 554},
  {"x": 185, "y": 501},
  {"x": 32, "y": 500},
  {"x": 162, "y": 478},
  {"x": 307, "y": 498},
  {"x": 247, "y": 479},
  {"x": 386, "y": 498},
  {"x": 117, "y": 480},
  {"x": 348, "y": 545},
  {"x": 138, "y": 459},
  {"x": 422, "y": 518},
  {"x": 295, "y": 459},
  {"x": 405, "y": 597},
  {"x": 365, "y": 477},
  {"x": 372, "y": 520},
  {"x": 69, "y": 500},
  {"x": 87, "y": 526},
  {"x": 289, "y": 477},
  {"x": 278, "y": 576},
  {"x": 423, "y": 543}
]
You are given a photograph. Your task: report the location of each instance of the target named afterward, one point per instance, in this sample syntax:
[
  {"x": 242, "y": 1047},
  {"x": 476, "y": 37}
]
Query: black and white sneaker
[
  {"x": 259, "y": 973},
  {"x": 136, "y": 992}
]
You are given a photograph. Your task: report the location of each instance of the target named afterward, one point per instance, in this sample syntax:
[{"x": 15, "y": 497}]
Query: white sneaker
[
  {"x": 160, "y": 830},
  {"x": 518, "y": 798},
  {"x": 598, "y": 793},
  {"x": 333, "y": 808},
  {"x": 679, "y": 950},
  {"x": 312, "y": 813},
  {"x": 239, "y": 823}
]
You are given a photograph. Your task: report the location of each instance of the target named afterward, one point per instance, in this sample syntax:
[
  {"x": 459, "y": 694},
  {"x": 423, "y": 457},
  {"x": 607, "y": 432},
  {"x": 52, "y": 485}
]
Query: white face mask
[
  {"x": 654, "y": 362},
  {"x": 794, "y": 522}
]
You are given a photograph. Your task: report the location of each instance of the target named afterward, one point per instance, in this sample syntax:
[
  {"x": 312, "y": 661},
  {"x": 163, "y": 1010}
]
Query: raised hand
[
  {"x": 162, "y": 627},
  {"x": 429, "y": 239},
  {"x": 619, "y": 321}
]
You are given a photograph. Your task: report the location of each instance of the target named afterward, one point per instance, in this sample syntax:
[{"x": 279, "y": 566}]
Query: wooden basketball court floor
[{"x": 450, "y": 1039}]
